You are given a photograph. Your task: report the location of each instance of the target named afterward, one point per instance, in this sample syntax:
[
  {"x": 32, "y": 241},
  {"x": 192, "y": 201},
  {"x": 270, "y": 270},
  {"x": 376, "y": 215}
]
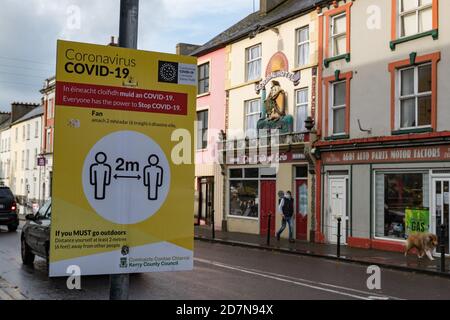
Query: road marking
[{"x": 300, "y": 282}]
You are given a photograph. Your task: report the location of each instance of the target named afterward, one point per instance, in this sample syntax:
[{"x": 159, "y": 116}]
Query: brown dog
[{"x": 425, "y": 243}]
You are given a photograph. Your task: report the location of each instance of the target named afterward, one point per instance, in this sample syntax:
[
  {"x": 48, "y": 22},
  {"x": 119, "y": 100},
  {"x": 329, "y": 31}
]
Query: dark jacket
[{"x": 288, "y": 207}]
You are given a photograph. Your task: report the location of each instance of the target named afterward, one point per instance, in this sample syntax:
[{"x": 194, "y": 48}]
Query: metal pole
[
  {"x": 213, "y": 225},
  {"x": 339, "y": 237},
  {"x": 442, "y": 246},
  {"x": 119, "y": 284},
  {"x": 268, "y": 228}
]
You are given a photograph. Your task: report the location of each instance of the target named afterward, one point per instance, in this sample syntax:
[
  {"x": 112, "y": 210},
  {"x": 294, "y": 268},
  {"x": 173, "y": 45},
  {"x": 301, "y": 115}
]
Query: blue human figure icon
[
  {"x": 100, "y": 175},
  {"x": 153, "y": 177}
]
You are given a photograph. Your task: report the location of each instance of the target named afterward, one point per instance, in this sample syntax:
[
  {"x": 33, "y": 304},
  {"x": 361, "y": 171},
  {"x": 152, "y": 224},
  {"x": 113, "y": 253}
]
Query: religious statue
[
  {"x": 274, "y": 104},
  {"x": 274, "y": 115}
]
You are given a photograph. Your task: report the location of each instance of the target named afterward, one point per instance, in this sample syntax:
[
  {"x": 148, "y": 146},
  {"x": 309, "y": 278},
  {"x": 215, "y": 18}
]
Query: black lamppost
[{"x": 309, "y": 123}]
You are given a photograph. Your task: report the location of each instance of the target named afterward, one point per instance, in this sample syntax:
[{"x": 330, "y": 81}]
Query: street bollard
[
  {"x": 339, "y": 238},
  {"x": 268, "y": 229},
  {"x": 442, "y": 247},
  {"x": 213, "y": 225}
]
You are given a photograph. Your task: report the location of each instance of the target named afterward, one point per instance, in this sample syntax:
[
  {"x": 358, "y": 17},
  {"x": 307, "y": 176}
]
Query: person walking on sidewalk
[{"x": 286, "y": 208}]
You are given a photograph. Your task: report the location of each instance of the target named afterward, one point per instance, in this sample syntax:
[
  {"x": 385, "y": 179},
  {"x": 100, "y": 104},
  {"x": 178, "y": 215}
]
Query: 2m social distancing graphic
[
  {"x": 120, "y": 204},
  {"x": 115, "y": 167}
]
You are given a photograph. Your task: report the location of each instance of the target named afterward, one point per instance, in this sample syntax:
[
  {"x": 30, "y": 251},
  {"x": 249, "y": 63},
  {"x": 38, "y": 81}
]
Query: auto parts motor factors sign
[{"x": 123, "y": 168}]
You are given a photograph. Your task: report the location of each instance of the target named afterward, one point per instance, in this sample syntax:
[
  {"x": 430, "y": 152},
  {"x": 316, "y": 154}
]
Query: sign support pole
[{"x": 128, "y": 37}]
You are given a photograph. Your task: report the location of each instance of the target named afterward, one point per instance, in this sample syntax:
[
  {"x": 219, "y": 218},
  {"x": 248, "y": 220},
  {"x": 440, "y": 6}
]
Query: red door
[
  {"x": 268, "y": 206},
  {"x": 301, "y": 188}
]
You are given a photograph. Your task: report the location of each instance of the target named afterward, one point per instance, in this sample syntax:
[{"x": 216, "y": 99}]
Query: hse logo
[
  {"x": 140, "y": 167},
  {"x": 177, "y": 73}
]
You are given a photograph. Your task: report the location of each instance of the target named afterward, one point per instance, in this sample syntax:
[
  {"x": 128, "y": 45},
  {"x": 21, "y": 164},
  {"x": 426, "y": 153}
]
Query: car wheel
[
  {"x": 27, "y": 255},
  {"x": 12, "y": 228}
]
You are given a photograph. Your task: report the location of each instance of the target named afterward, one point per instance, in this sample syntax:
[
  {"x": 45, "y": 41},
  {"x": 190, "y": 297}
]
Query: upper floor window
[
  {"x": 338, "y": 107},
  {"x": 301, "y": 109},
  {"x": 202, "y": 129},
  {"x": 415, "y": 16},
  {"x": 415, "y": 96},
  {"x": 252, "y": 115},
  {"x": 203, "y": 78},
  {"x": 17, "y": 134},
  {"x": 338, "y": 35},
  {"x": 253, "y": 62},
  {"x": 36, "y": 129},
  {"x": 50, "y": 109},
  {"x": 303, "y": 46},
  {"x": 23, "y": 132},
  {"x": 28, "y": 131}
]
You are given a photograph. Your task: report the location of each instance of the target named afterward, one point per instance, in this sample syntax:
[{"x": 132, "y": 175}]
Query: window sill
[
  {"x": 203, "y": 94},
  {"x": 433, "y": 33},
  {"x": 340, "y": 137},
  {"x": 409, "y": 131},
  {"x": 327, "y": 61}
]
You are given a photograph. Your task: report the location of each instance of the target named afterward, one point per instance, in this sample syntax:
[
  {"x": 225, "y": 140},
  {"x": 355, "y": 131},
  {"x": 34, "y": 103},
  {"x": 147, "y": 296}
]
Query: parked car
[
  {"x": 35, "y": 238},
  {"x": 8, "y": 209}
]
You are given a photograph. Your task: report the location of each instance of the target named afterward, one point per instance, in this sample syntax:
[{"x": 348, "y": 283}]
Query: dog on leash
[{"x": 425, "y": 243}]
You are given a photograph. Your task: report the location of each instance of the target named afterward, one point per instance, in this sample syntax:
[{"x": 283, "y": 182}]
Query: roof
[
  {"x": 36, "y": 112},
  {"x": 6, "y": 123},
  {"x": 256, "y": 22}
]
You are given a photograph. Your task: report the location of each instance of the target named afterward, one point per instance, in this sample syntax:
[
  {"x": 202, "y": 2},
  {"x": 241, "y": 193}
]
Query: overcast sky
[{"x": 29, "y": 30}]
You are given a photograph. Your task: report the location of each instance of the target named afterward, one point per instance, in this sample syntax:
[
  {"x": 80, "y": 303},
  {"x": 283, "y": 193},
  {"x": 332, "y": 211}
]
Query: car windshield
[
  {"x": 44, "y": 212},
  {"x": 6, "y": 193}
]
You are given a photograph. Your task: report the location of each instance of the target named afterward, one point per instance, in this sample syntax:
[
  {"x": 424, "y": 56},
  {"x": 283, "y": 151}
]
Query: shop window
[
  {"x": 236, "y": 173},
  {"x": 253, "y": 62},
  {"x": 396, "y": 195},
  {"x": 251, "y": 173},
  {"x": 244, "y": 198},
  {"x": 302, "y": 46},
  {"x": 268, "y": 173}
]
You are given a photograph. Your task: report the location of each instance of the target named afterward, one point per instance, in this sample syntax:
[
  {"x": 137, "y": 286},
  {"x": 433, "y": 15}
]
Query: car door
[
  {"x": 43, "y": 234},
  {"x": 37, "y": 227}
]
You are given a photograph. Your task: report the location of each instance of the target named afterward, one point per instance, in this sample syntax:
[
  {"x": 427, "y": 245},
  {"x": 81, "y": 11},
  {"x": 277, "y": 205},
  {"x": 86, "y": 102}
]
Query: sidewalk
[
  {"x": 9, "y": 292},
  {"x": 384, "y": 259}
]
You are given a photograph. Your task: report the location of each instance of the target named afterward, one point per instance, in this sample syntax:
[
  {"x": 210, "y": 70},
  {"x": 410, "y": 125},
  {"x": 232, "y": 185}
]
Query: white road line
[{"x": 299, "y": 282}]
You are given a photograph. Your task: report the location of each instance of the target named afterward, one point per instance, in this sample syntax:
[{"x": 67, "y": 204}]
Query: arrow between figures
[{"x": 127, "y": 177}]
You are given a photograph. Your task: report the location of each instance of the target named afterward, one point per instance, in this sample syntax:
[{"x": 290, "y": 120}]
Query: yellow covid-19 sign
[{"x": 121, "y": 202}]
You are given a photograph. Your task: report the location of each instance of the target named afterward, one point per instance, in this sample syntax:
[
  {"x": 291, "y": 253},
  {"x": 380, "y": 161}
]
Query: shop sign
[
  {"x": 278, "y": 157},
  {"x": 388, "y": 155},
  {"x": 417, "y": 220}
]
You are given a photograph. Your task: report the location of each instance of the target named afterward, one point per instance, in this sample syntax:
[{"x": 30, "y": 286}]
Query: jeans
[{"x": 283, "y": 226}]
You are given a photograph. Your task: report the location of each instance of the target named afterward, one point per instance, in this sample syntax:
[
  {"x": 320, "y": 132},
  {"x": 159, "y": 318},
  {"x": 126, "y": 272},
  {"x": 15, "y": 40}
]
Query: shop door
[
  {"x": 268, "y": 206},
  {"x": 301, "y": 188},
  {"x": 337, "y": 209},
  {"x": 441, "y": 209},
  {"x": 205, "y": 201}
]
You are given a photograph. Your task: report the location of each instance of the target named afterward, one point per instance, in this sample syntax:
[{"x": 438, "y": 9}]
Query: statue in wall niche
[{"x": 274, "y": 114}]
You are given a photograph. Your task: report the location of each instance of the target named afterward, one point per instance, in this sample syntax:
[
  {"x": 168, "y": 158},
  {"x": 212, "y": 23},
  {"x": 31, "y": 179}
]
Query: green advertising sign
[{"x": 417, "y": 220}]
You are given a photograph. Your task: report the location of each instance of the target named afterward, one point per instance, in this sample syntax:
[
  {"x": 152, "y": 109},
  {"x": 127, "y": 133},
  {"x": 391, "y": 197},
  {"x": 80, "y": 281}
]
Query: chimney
[
  {"x": 19, "y": 109},
  {"x": 265, "y": 6},
  {"x": 113, "y": 42},
  {"x": 185, "y": 49}
]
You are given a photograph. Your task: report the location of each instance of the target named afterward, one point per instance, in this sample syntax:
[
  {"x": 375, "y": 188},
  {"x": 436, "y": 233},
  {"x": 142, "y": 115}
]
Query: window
[
  {"x": 252, "y": 115},
  {"x": 27, "y": 160},
  {"x": 50, "y": 109},
  {"x": 203, "y": 78},
  {"x": 28, "y": 131},
  {"x": 23, "y": 133},
  {"x": 17, "y": 134},
  {"x": 202, "y": 130},
  {"x": 35, "y": 158},
  {"x": 301, "y": 109},
  {"x": 48, "y": 140},
  {"x": 338, "y": 106},
  {"x": 396, "y": 195},
  {"x": 253, "y": 62},
  {"x": 244, "y": 198},
  {"x": 36, "y": 129},
  {"x": 338, "y": 35},
  {"x": 415, "y": 16},
  {"x": 415, "y": 96},
  {"x": 23, "y": 159},
  {"x": 303, "y": 46}
]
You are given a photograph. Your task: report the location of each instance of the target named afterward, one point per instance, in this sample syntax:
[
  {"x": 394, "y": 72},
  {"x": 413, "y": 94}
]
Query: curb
[{"x": 322, "y": 256}]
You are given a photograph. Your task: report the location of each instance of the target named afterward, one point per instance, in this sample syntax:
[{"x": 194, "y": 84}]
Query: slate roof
[
  {"x": 30, "y": 115},
  {"x": 257, "y": 22}
]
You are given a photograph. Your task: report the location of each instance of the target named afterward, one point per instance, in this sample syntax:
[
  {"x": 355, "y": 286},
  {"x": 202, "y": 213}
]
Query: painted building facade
[
  {"x": 383, "y": 121},
  {"x": 274, "y": 54},
  {"x": 48, "y": 102}
]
